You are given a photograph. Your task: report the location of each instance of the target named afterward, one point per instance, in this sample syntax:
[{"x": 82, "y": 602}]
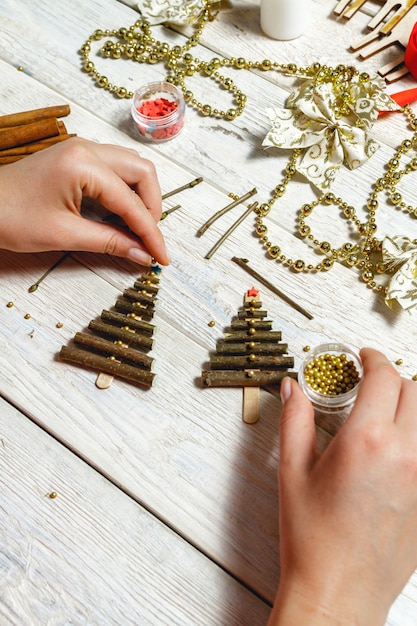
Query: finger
[
  {"x": 379, "y": 390},
  {"x": 138, "y": 173},
  {"x": 77, "y": 233},
  {"x": 406, "y": 414},
  {"x": 102, "y": 183},
  {"x": 297, "y": 429}
]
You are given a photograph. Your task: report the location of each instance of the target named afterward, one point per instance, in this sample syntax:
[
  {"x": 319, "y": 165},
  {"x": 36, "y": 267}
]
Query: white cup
[{"x": 285, "y": 19}]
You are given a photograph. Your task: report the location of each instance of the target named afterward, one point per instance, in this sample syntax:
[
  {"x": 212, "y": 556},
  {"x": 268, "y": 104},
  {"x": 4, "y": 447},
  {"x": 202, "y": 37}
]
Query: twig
[{"x": 244, "y": 264}]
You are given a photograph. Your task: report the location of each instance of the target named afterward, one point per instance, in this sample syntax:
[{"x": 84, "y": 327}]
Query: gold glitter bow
[
  {"x": 327, "y": 118},
  {"x": 400, "y": 255},
  {"x": 178, "y": 12}
]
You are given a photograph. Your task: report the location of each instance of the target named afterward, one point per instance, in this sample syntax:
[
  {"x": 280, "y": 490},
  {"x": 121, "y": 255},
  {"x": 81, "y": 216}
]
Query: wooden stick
[
  {"x": 122, "y": 320},
  {"x": 130, "y": 338},
  {"x": 139, "y": 309},
  {"x": 243, "y": 379},
  {"x": 26, "y": 117},
  {"x": 193, "y": 183},
  {"x": 251, "y": 348},
  {"x": 258, "y": 324},
  {"x": 267, "y": 335},
  {"x": 27, "y": 133},
  {"x": 109, "y": 348},
  {"x": 243, "y": 263},
  {"x": 138, "y": 296},
  {"x": 255, "y": 361},
  {"x": 103, "y": 364},
  {"x": 259, "y": 313},
  {"x": 227, "y": 208},
  {"x": 230, "y": 230}
]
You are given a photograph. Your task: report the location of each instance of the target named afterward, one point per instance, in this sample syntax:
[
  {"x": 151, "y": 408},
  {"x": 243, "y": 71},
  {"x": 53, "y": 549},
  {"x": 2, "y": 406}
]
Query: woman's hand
[
  {"x": 348, "y": 516},
  {"x": 40, "y": 202}
]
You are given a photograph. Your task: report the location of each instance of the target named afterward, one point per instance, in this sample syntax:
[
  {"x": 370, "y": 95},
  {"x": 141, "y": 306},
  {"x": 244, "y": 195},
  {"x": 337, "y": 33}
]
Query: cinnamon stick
[
  {"x": 5, "y": 160},
  {"x": 26, "y": 117},
  {"x": 35, "y": 146},
  {"x": 13, "y": 136}
]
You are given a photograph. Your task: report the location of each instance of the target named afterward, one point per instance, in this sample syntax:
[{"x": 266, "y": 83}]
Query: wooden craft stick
[
  {"x": 35, "y": 115},
  {"x": 27, "y": 133},
  {"x": 108, "y": 366},
  {"x": 218, "y": 378},
  {"x": 250, "y": 404},
  {"x": 62, "y": 128}
]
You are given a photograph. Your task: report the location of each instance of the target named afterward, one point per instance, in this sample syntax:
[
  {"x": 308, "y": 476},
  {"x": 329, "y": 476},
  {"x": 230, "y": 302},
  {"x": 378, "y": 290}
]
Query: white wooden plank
[
  {"x": 186, "y": 454},
  {"x": 91, "y": 555}
]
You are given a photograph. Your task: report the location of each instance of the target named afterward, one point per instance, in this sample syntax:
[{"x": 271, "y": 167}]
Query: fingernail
[
  {"x": 285, "y": 389},
  {"x": 139, "y": 256}
]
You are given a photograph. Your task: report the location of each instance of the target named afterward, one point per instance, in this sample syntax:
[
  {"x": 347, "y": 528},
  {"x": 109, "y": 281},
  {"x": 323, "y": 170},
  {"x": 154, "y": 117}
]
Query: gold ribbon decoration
[
  {"x": 178, "y": 12},
  {"x": 399, "y": 254},
  {"x": 327, "y": 118}
]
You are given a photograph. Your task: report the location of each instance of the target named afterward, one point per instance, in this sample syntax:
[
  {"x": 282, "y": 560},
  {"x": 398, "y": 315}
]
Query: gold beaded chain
[
  {"x": 365, "y": 254},
  {"x": 137, "y": 43}
]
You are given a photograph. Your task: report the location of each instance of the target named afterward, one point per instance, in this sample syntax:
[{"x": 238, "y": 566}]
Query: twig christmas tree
[
  {"x": 120, "y": 339},
  {"x": 250, "y": 355}
]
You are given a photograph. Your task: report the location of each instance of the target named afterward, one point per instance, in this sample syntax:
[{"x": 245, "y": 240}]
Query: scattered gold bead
[
  {"x": 52, "y": 495},
  {"x": 211, "y": 323},
  {"x": 414, "y": 377},
  {"x": 306, "y": 348},
  {"x": 399, "y": 362},
  {"x": 27, "y": 316},
  {"x": 59, "y": 324},
  {"x": 10, "y": 304}
]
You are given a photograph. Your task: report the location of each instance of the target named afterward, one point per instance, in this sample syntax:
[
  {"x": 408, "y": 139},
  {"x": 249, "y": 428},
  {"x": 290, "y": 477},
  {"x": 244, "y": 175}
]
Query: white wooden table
[{"x": 166, "y": 503}]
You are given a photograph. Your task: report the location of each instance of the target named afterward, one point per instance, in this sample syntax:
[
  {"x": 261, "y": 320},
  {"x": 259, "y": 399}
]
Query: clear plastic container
[
  {"x": 158, "y": 110},
  {"x": 327, "y": 405}
]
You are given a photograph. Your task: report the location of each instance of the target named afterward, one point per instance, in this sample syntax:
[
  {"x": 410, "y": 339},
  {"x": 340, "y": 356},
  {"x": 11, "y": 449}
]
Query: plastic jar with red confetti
[{"x": 158, "y": 110}]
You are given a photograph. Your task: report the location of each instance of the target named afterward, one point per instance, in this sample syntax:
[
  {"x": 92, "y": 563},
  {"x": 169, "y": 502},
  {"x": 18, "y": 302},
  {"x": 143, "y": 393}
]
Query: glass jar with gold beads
[{"x": 330, "y": 377}]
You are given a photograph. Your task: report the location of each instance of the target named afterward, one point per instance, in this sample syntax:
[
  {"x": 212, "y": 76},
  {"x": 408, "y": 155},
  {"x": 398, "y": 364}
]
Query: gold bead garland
[
  {"x": 137, "y": 43},
  {"x": 364, "y": 254}
]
